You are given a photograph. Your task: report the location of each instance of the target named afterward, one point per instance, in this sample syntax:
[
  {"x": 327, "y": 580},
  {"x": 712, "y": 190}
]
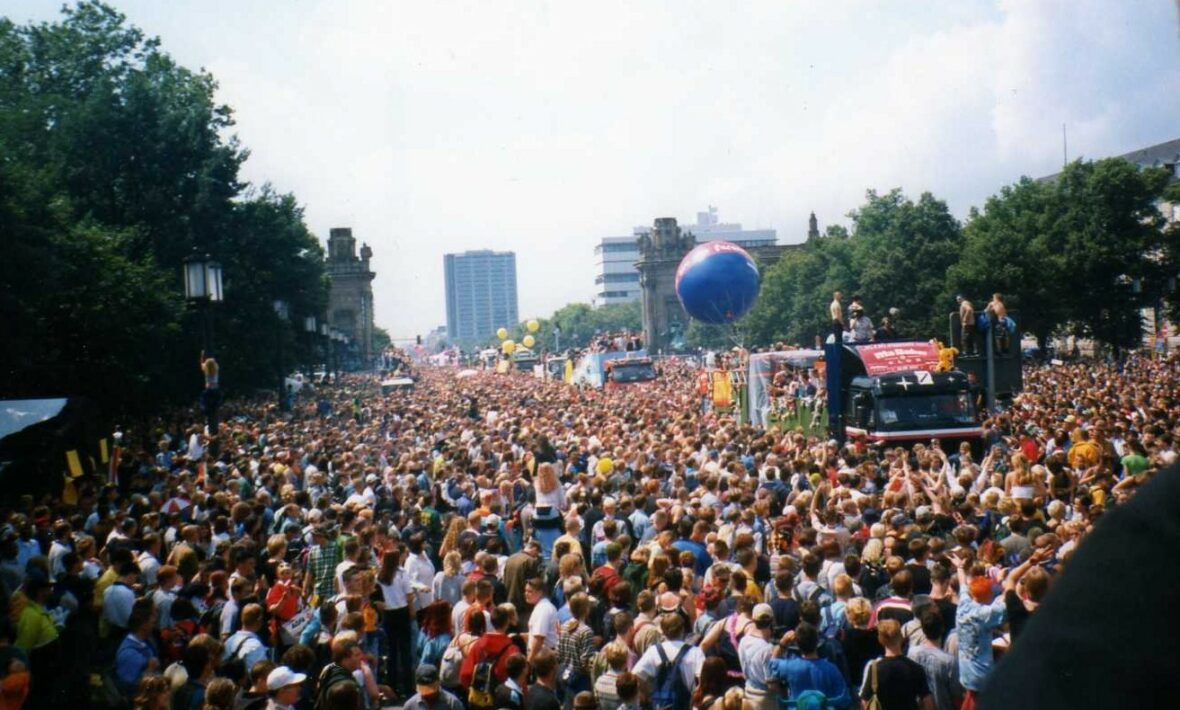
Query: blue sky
[{"x": 540, "y": 127}]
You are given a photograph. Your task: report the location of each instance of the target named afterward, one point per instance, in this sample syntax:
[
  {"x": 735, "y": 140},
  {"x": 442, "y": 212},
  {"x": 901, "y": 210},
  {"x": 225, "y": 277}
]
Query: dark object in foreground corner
[
  {"x": 1108, "y": 634},
  {"x": 35, "y": 435}
]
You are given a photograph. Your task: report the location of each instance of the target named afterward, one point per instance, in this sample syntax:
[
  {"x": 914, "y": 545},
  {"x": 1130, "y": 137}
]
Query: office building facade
[{"x": 481, "y": 294}]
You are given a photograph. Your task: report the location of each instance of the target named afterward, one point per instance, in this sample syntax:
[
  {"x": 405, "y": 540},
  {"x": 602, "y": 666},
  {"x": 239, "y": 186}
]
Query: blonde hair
[
  {"x": 547, "y": 478},
  {"x": 452, "y": 563},
  {"x": 734, "y": 699},
  {"x": 889, "y": 633},
  {"x": 859, "y": 611},
  {"x": 842, "y": 586},
  {"x": 1020, "y": 466},
  {"x": 570, "y": 564},
  {"x": 873, "y": 549}
]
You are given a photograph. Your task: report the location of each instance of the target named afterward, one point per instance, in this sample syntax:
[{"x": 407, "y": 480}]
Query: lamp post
[
  {"x": 202, "y": 284},
  {"x": 325, "y": 332},
  {"x": 283, "y": 311},
  {"x": 309, "y": 327},
  {"x": 556, "y": 338}
]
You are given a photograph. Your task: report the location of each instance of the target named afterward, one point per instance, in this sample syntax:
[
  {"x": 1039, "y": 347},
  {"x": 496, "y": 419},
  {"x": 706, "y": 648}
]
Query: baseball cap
[
  {"x": 427, "y": 675},
  {"x": 283, "y": 676},
  {"x": 762, "y": 611}
]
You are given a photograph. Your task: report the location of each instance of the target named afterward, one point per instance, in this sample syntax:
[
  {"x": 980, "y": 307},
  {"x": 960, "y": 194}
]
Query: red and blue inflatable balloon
[{"x": 717, "y": 282}]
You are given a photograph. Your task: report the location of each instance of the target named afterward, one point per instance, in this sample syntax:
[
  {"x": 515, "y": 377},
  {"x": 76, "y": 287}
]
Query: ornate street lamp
[{"x": 202, "y": 285}]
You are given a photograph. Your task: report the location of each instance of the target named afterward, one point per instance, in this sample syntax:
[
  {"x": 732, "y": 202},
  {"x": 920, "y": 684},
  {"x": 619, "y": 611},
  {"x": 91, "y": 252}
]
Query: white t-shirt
[
  {"x": 543, "y": 622},
  {"x": 396, "y": 592},
  {"x": 648, "y": 664}
]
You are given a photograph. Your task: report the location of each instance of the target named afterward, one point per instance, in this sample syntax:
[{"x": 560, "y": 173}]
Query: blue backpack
[{"x": 670, "y": 692}]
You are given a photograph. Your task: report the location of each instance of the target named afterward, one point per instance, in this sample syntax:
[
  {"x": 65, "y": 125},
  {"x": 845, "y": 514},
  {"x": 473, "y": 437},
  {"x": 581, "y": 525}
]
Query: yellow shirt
[
  {"x": 105, "y": 580},
  {"x": 1084, "y": 454},
  {"x": 35, "y": 628}
]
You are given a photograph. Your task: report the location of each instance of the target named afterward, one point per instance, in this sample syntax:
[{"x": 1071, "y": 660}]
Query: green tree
[
  {"x": 1085, "y": 251},
  {"x": 1011, "y": 247},
  {"x": 901, "y": 252},
  {"x": 792, "y": 306},
  {"x": 115, "y": 167},
  {"x": 1112, "y": 242}
]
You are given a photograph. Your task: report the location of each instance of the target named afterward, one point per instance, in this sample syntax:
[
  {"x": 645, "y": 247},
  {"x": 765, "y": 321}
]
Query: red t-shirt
[{"x": 488, "y": 646}]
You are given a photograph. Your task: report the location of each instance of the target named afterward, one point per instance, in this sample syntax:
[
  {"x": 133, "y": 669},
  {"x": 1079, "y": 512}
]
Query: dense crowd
[{"x": 503, "y": 541}]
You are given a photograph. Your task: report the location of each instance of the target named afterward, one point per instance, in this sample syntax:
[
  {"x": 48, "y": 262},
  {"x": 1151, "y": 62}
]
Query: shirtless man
[
  {"x": 997, "y": 312},
  {"x": 837, "y": 313},
  {"x": 967, "y": 326}
]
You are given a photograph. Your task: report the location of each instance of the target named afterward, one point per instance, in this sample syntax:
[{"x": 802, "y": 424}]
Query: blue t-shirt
[
  {"x": 701, "y": 562},
  {"x": 801, "y": 674}
]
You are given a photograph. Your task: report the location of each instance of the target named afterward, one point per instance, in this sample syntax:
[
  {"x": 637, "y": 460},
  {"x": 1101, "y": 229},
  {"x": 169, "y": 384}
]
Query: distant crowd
[{"x": 503, "y": 541}]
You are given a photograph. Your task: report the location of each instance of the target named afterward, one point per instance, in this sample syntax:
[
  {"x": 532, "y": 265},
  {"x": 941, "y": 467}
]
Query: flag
[
  {"x": 722, "y": 390},
  {"x": 74, "y": 463}
]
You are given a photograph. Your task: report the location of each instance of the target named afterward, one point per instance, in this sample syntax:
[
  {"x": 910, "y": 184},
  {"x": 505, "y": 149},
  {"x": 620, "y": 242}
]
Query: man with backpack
[
  {"x": 754, "y": 651},
  {"x": 347, "y": 657},
  {"x": 895, "y": 681},
  {"x": 670, "y": 668},
  {"x": 485, "y": 666}
]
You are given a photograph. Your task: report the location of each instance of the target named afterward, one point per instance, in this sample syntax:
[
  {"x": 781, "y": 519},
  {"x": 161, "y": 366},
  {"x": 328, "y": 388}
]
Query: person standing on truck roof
[
  {"x": 860, "y": 325},
  {"x": 997, "y": 312},
  {"x": 837, "y": 313},
  {"x": 967, "y": 326}
]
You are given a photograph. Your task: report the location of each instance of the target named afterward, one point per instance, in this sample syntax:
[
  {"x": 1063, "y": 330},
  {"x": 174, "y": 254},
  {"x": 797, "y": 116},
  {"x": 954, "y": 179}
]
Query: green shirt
[
  {"x": 35, "y": 628},
  {"x": 1134, "y": 464}
]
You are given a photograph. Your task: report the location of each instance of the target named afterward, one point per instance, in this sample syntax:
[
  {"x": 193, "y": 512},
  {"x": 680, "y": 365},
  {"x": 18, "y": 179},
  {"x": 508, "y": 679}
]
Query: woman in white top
[
  {"x": 1021, "y": 482},
  {"x": 549, "y": 489},
  {"x": 397, "y": 596}
]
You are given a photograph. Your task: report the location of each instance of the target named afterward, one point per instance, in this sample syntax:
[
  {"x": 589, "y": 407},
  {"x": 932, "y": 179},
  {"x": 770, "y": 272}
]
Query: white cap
[{"x": 283, "y": 676}]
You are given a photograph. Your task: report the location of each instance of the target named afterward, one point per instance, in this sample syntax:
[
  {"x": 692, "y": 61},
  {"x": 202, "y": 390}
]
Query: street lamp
[
  {"x": 202, "y": 284},
  {"x": 283, "y": 311}
]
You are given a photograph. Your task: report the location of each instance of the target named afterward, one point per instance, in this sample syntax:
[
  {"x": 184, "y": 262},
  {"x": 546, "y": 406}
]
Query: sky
[{"x": 541, "y": 127}]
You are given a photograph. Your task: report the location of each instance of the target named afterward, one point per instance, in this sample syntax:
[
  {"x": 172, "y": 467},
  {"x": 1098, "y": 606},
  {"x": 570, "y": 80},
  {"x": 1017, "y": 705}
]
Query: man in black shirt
[
  {"x": 542, "y": 695},
  {"x": 898, "y": 682}
]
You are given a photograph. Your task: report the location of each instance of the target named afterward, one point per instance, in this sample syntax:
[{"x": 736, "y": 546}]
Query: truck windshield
[
  {"x": 926, "y": 410},
  {"x": 636, "y": 372}
]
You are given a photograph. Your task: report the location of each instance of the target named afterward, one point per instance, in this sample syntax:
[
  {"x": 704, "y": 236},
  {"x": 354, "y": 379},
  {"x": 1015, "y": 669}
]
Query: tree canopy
[
  {"x": 1082, "y": 253},
  {"x": 117, "y": 163}
]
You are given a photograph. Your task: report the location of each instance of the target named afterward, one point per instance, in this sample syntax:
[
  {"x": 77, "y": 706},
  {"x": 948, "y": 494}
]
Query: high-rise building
[
  {"x": 481, "y": 294},
  {"x": 616, "y": 279}
]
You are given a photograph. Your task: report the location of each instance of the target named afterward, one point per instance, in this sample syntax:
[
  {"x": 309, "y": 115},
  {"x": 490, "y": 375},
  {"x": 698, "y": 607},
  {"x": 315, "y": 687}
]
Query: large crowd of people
[{"x": 505, "y": 541}]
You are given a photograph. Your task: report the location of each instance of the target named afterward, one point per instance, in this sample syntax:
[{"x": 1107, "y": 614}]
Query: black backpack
[{"x": 332, "y": 675}]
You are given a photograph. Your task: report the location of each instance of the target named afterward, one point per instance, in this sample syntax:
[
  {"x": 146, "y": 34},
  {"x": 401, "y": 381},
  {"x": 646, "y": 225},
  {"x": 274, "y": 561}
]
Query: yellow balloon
[
  {"x": 605, "y": 466},
  {"x": 502, "y": 333},
  {"x": 507, "y": 347},
  {"x": 529, "y": 341},
  {"x": 533, "y": 326}
]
